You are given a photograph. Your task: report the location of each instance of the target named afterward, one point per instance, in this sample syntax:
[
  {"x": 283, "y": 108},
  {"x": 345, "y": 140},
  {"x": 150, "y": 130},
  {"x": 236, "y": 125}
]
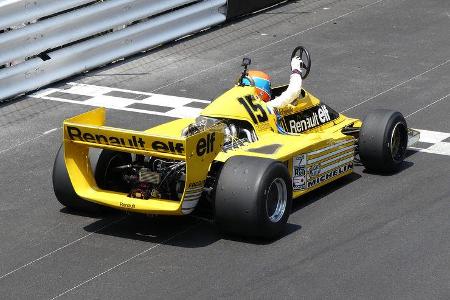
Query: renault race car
[{"x": 243, "y": 162}]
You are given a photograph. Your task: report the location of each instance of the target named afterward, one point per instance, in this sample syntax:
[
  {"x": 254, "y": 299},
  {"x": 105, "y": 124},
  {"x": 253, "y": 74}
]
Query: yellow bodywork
[
  {"x": 314, "y": 157},
  {"x": 87, "y": 130}
]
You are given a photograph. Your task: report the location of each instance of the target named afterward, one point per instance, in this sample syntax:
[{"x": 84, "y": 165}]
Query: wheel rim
[
  {"x": 276, "y": 200},
  {"x": 398, "y": 142}
]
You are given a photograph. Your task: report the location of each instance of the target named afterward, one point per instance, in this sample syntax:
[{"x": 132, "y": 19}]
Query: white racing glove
[
  {"x": 294, "y": 88},
  {"x": 296, "y": 63}
]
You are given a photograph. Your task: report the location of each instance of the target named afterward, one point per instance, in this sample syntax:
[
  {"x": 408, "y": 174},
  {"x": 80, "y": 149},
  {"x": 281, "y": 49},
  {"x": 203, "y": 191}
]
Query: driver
[{"x": 263, "y": 86}]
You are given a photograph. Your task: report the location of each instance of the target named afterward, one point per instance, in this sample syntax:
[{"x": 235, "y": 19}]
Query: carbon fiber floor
[{"x": 366, "y": 236}]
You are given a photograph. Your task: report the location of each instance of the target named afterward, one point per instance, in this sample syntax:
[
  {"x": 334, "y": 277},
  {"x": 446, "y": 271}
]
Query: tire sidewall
[
  {"x": 397, "y": 119},
  {"x": 270, "y": 228},
  {"x": 241, "y": 193},
  {"x": 375, "y": 141}
]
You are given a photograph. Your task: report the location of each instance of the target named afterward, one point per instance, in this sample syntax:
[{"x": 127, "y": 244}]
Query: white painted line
[
  {"x": 45, "y": 92},
  {"x": 50, "y": 131},
  {"x": 97, "y": 96},
  {"x": 59, "y": 249},
  {"x": 96, "y": 90},
  {"x": 432, "y": 103},
  {"x": 83, "y": 87},
  {"x": 87, "y": 90},
  {"x": 439, "y": 148},
  {"x": 397, "y": 85},
  {"x": 428, "y": 136},
  {"x": 110, "y": 102},
  {"x": 170, "y": 101},
  {"x": 125, "y": 261},
  {"x": 435, "y": 138},
  {"x": 185, "y": 112},
  {"x": 267, "y": 45},
  {"x": 25, "y": 142},
  {"x": 142, "y": 111}
]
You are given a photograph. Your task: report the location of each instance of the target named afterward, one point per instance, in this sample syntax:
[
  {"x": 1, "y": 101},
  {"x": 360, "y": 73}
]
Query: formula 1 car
[{"x": 239, "y": 159}]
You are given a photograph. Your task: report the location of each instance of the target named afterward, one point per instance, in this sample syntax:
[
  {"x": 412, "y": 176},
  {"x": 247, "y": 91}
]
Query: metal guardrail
[
  {"x": 18, "y": 12},
  {"x": 44, "y": 41},
  {"x": 69, "y": 27}
]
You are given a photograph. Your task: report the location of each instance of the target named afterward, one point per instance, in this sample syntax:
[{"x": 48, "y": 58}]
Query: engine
[
  {"x": 236, "y": 132},
  {"x": 150, "y": 177}
]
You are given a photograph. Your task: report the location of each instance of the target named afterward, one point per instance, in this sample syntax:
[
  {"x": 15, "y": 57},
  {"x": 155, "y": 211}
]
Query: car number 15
[{"x": 256, "y": 111}]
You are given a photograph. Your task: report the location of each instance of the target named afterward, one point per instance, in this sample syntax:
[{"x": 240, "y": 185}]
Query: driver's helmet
[{"x": 262, "y": 83}]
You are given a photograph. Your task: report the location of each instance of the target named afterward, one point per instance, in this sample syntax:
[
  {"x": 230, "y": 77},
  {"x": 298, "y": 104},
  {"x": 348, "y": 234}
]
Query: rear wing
[{"x": 87, "y": 130}]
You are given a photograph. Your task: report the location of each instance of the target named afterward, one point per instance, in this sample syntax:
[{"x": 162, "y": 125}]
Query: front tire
[
  {"x": 253, "y": 197},
  {"x": 383, "y": 140}
]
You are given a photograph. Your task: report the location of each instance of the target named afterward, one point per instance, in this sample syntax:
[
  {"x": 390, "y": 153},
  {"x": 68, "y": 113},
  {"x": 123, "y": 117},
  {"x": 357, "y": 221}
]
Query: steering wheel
[{"x": 306, "y": 59}]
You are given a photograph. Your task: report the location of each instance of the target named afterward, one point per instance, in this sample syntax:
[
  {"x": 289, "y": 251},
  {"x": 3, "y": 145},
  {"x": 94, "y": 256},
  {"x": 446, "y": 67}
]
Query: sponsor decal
[
  {"x": 263, "y": 126},
  {"x": 126, "y": 205},
  {"x": 206, "y": 145},
  {"x": 286, "y": 110},
  {"x": 330, "y": 174},
  {"x": 307, "y": 176},
  {"x": 309, "y": 119},
  {"x": 75, "y": 134},
  {"x": 314, "y": 170},
  {"x": 168, "y": 147},
  {"x": 135, "y": 142},
  {"x": 299, "y": 172},
  {"x": 197, "y": 184},
  {"x": 299, "y": 182},
  {"x": 300, "y": 160}
]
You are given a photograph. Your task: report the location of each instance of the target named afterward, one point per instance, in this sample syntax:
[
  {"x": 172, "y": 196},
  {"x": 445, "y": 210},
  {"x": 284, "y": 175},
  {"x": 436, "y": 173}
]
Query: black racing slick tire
[
  {"x": 64, "y": 190},
  {"x": 253, "y": 197},
  {"x": 383, "y": 140}
]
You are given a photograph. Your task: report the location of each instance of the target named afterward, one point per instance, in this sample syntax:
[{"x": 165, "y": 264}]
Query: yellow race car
[{"x": 243, "y": 162}]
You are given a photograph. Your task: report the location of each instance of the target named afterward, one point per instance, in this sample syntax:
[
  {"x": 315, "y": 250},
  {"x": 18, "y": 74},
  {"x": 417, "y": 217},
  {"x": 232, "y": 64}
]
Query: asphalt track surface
[{"x": 363, "y": 237}]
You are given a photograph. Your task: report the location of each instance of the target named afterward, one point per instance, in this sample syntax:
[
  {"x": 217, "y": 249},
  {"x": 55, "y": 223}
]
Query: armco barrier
[
  {"x": 66, "y": 28},
  {"x": 17, "y": 12},
  {"x": 43, "y": 41}
]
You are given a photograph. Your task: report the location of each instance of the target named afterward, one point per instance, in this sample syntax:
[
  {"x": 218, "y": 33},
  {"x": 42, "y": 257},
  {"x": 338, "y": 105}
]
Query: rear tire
[
  {"x": 383, "y": 140},
  {"x": 253, "y": 197},
  {"x": 64, "y": 190},
  {"x": 106, "y": 176}
]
